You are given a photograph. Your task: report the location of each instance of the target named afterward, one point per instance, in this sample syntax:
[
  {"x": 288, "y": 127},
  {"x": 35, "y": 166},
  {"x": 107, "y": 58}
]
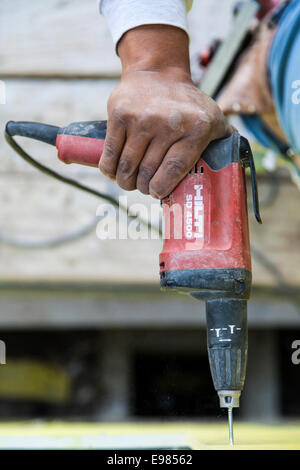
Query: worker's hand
[{"x": 158, "y": 122}]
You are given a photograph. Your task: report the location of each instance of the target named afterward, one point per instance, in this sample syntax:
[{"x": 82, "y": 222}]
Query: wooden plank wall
[
  {"x": 68, "y": 38},
  {"x": 58, "y": 65}
]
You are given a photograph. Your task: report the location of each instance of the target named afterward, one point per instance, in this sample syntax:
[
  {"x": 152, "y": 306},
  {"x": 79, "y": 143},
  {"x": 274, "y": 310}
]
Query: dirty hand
[{"x": 158, "y": 122}]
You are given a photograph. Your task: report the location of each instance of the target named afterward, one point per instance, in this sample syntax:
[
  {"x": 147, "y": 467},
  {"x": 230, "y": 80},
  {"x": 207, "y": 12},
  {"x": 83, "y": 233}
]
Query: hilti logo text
[{"x": 194, "y": 214}]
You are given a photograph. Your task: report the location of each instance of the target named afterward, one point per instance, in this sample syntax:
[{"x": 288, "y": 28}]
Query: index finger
[
  {"x": 178, "y": 161},
  {"x": 114, "y": 143}
]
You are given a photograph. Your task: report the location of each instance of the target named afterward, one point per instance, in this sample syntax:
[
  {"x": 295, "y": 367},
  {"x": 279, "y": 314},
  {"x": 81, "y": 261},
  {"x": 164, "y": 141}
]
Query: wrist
[{"x": 155, "y": 48}]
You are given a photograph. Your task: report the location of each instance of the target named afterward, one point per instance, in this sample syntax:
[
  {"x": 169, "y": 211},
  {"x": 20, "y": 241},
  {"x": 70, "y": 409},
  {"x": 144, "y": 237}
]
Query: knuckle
[
  {"x": 203, "y": 126},
  {"x": 145, "y": 173},
  {"x": 110, "y": 150},
  {"x": 209, "y": 123},
  {"x": 118, "y": 114},
  {"x": 151, "y": 122},
  {"x": 175, "y": 167},
  {"x": 125, "y": 167},
  {"x": 175, "y": 121},
  {"x": 118, "y": 109},
  {"x": 123, "y": 112},
  {"x": 147, "y": 120},
  {"x": 216, "y": 116},
  {"x": 143, "y": 179}
]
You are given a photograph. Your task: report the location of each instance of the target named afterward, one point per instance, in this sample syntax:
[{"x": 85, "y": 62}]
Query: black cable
[
  {"x": 52, "y": 242},
  {"x": 75, "y": 184},
  {"x": 42, "y": 132},
  {"x": 63, "y": 179}
]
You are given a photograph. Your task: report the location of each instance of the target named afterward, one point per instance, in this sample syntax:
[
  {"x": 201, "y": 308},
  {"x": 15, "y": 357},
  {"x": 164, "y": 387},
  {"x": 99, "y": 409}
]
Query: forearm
[{"x": 155, "y": 48}]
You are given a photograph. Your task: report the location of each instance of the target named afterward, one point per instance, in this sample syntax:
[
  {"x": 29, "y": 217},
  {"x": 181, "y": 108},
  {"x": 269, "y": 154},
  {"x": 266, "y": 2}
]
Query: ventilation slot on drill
[{"x": 195, "y": 170}]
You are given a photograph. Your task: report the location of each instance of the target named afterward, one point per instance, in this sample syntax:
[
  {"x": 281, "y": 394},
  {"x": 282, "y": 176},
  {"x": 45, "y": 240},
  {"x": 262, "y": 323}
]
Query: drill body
[
  {"x": 206, "y": 251},
  {"x": 207, "y": 255}
]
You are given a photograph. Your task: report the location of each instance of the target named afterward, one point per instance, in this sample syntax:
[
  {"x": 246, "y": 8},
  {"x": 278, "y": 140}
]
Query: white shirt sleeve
[{"x": 123, "y": 15}]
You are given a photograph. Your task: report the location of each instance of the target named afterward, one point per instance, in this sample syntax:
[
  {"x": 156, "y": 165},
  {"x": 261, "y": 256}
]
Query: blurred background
[{"x": 88, "y": 333}]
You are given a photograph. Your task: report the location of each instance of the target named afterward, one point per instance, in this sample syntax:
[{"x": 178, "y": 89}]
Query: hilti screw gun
[{"x": 210, "y": 260}]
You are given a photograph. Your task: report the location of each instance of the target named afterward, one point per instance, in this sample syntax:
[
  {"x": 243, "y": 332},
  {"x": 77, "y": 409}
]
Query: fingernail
[
  {"x": 156, "y": 196},
  {"x": 110, "y": 177}
]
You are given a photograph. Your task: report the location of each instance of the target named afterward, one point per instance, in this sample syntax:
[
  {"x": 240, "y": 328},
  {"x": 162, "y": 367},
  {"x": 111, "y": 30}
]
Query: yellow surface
[
  {"x": 34, "y": 380},
  {"x": 202, "y": 436}
]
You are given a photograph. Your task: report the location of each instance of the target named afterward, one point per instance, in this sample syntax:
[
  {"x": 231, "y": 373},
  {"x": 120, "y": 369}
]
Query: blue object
[
  {"x": 284, "y": 73},
  {"x": 284, "y": 70}
]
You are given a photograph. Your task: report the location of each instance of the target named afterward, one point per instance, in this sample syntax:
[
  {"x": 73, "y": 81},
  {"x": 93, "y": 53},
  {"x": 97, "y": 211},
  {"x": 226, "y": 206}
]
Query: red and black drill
[{"x": 210, "y": 259}]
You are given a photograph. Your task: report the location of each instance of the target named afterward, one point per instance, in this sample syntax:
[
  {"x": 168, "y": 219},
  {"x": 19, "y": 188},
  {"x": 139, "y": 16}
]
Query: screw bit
[{"x": 230, "y": 424}]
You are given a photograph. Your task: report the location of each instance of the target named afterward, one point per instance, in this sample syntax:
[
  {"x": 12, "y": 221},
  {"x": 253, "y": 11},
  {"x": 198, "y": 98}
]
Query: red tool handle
[{"x": 81, "y": 142}]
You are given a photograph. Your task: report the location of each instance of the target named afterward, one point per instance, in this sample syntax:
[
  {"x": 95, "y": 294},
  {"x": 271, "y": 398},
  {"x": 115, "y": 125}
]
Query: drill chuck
[
  {"x": 229, "y": 398},
  {"x": 227, "y": 343}
]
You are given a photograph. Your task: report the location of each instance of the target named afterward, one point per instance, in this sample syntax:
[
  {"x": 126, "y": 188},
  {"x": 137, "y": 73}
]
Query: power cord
[{"x": 77, "y": 234}]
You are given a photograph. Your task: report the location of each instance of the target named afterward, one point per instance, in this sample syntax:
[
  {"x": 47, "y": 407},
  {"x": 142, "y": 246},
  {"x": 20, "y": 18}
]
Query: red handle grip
[
  {"x": 81, "y": 150},
  {"x": 81, "y": 142}
]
